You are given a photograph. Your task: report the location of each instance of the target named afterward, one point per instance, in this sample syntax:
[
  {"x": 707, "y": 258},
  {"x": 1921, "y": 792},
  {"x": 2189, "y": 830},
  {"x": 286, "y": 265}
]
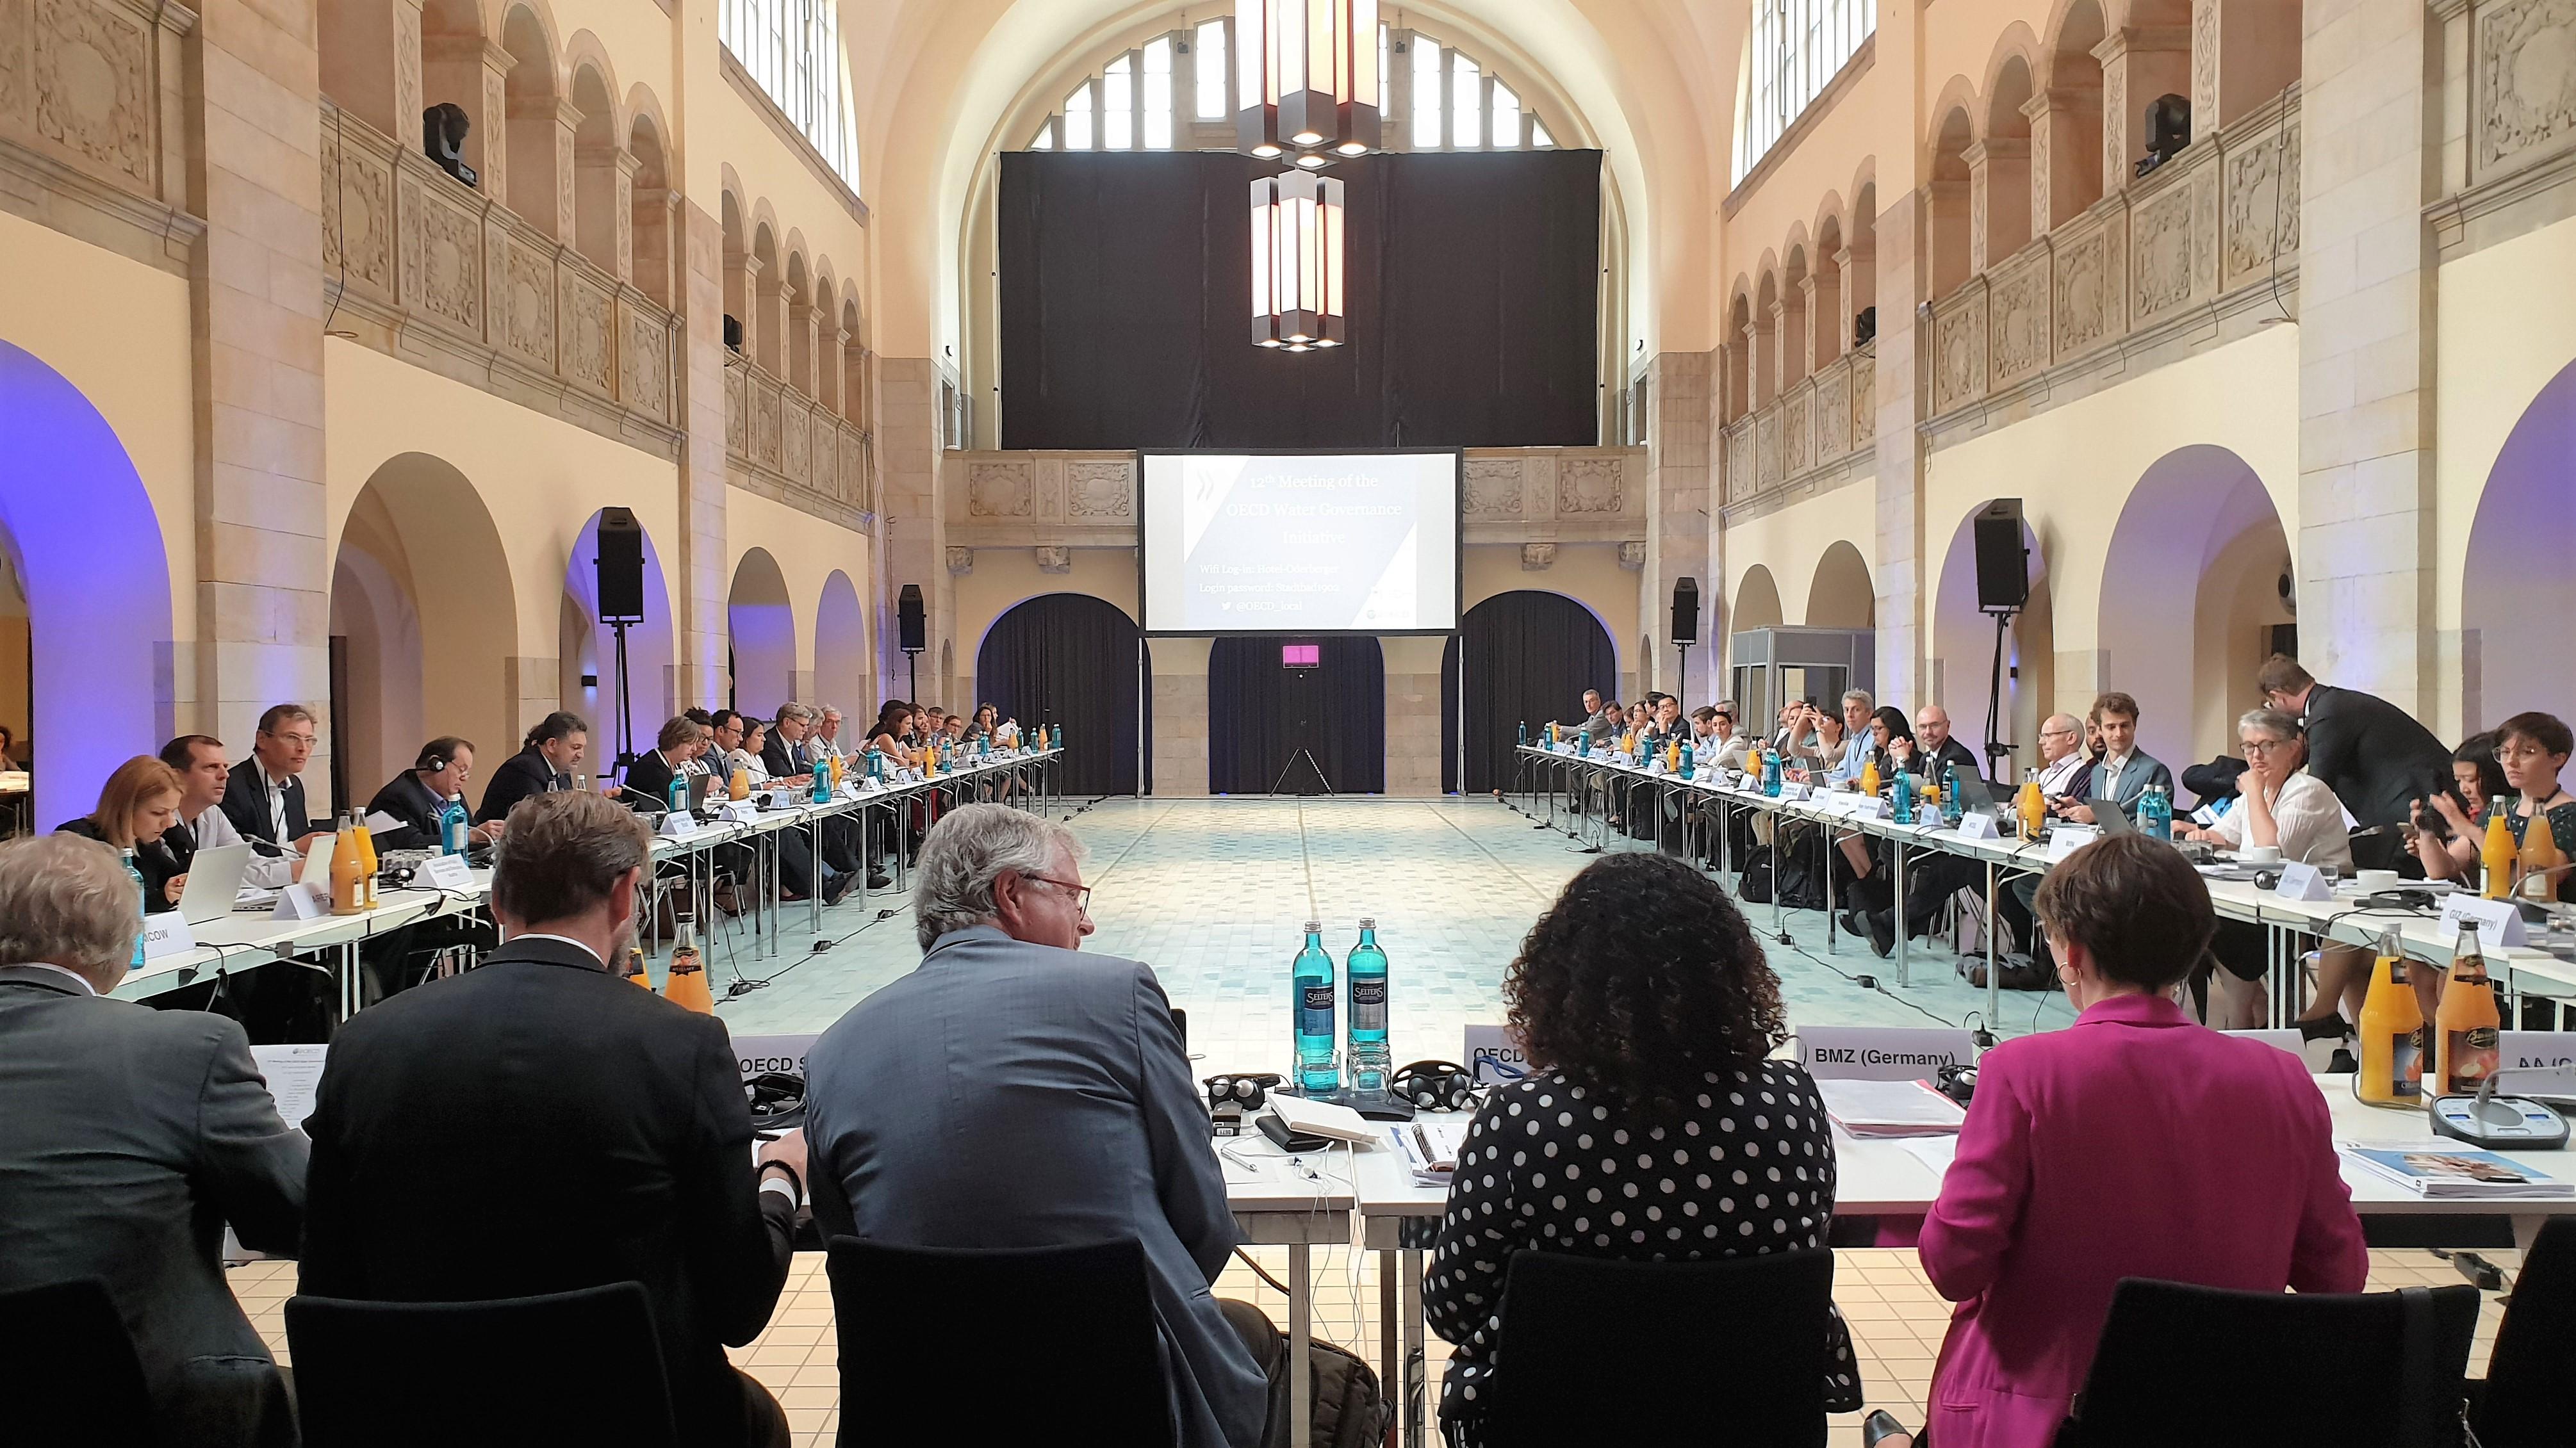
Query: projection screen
[{"x": 1300, "y": 543}]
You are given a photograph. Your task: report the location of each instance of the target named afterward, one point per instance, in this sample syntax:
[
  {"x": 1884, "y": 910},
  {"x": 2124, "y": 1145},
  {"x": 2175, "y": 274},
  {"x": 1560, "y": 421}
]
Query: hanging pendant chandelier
[
  {"x": 1307, "y": 72},
  {"x": 1297, "y": 261}
]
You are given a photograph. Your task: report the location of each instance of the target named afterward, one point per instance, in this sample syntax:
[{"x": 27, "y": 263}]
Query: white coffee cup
[
  {"x": 2260, "y": 854},
  {"x": 2375, "y": 880}
]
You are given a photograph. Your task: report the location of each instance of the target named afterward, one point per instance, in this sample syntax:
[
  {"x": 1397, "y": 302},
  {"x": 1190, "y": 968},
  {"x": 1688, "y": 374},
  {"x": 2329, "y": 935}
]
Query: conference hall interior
[{"x": 771, "y": 723}]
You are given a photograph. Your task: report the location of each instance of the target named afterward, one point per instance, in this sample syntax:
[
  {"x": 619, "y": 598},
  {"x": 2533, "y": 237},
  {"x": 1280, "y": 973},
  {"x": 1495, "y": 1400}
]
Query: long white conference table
[
  {"x": 1557, "y": 783},
  {"x": 1026, "y": 779}
]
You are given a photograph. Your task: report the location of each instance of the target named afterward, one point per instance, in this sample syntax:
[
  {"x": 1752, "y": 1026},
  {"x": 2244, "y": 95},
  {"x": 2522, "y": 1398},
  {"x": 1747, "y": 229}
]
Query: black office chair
[
  {"x": 567, "y": 1370},
  {"x": 68, "y": 1373},
  {"x": 904, "y": 1314},
  {"x": 1602, "y": 1351},
  {"x": 2523, "y": 1401},
  {"x": 2221, "y": 1369}
]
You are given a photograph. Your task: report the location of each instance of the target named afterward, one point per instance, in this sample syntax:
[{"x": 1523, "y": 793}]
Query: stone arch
[
  {"x": 1766, "y": 334},
  {"x": 2518, "y": 588},
  {"x": 2005, "y": 134},
  {"x": 420, "y": 595},
  {"x": 1947, "y": 190},
  {"x": 1793, "y": 309},
  {"x": 1841, "y": 595},
  {"x": 761, "y": 623},
  {"x": 1739, "y": 349},
  {"x": 82, "y": 545},
  {"x": 767, "y": 320},
  {"x": 2198, "y": 524},
  {"x": 737, "y": 259},
  {"x": 651, "y": 212},
  {"x": 1757, "y": 601},
  {"x": 452, "y": 37},
  {"x": 535, "y": 129},
  {"x": 827, "y": 345},
  {"x": 597, "y": 152},
  {"x": 1860, "y": 279},
  {"x": 1963, "y": 644},
  {"x": 842, "y": 654},
  {"x": 2066, "y": 139},
  {"x": 799, "y": 350},
  {"x": 587, "y": 651},
  {"x": 1826, "y": 329}
]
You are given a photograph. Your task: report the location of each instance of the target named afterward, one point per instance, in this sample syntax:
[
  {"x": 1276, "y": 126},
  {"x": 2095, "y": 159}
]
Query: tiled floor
[{"x": 1213, "y": 893}]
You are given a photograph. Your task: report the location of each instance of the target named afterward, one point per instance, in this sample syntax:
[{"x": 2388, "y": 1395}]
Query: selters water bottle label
[
  {"x": 1368, "y": 1005},
  {"x": 1315, "y": 1009}
]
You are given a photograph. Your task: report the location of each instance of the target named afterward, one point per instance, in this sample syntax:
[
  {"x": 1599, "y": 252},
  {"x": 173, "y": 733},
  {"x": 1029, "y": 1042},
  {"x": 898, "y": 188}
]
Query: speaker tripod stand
[{"x": 1307, "y": 755}]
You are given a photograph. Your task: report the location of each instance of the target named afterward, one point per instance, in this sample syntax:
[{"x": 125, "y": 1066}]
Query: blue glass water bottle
[
  {"x": 1369, "y": 1059},
  {"x": 1954, "y": 799},
  {"x": 1772, "y": 775},
  {"x": 1902, "y": 793},
  {"x": 2155, "y": 812},
  {"x": 142, "y": 905},
  {"x": 1310, "y": 1010},
  {"x": 453, "y": 826}
]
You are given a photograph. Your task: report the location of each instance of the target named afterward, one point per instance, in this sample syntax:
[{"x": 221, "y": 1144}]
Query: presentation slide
[{"x": 1309, "y": 543}]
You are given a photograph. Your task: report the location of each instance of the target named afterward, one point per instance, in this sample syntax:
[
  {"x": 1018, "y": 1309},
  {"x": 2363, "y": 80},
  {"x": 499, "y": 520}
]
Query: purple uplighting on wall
[
  {"x": 652, "y": 652},
  {"x": 2518, "y": 589},
  {"x": 88, "y": 547}
]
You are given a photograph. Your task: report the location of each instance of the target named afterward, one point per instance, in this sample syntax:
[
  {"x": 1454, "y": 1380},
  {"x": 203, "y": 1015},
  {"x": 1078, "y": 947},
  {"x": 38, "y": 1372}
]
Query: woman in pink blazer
[{"x": 2133, "y": 1144}]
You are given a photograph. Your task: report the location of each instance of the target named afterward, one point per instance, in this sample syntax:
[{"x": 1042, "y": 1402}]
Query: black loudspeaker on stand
[
  {"x": 621, "y": 605},
  {"x": 1685, "y": 624},
  {"x": 913, "y": 632},
  {"x": 2003, "y": 590}
]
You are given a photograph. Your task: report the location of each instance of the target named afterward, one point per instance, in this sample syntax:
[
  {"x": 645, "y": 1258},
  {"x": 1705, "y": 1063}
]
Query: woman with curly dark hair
[{"x": 1653, "y": 1126}]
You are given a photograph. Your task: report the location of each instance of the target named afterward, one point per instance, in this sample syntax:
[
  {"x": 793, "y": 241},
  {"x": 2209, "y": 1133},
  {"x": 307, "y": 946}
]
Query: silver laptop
[{"x": 214, "y": 879}]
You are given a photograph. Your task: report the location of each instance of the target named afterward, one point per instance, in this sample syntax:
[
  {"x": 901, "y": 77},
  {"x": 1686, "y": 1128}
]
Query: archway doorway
[
  {"x": 1840, "y": 596},
  {"x": 1267, "y": 721},
  {"x": 1523, "y": 657},
  {"x": 763, "y": 625},
  {"x": 84, "y": 546},
  {"x": 2518, "y": 587},
  {"x": 1074, "y": 660},
  {"x": 1963, "y": 648},
  {"x": 841, "y": 653},
  {"x": 2199, "y": 525},
  {"x": 422, "y": 623},
  {"x": 588, "y": 654}
]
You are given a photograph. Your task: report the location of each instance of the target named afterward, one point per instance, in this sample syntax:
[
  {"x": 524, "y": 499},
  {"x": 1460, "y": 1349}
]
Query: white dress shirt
[
  {"x": 2307, "y": 819},
  {"x": 2053, "y": 778},
  {"x": 276, "y": 788},
  {"x": 265, "y": 871}
]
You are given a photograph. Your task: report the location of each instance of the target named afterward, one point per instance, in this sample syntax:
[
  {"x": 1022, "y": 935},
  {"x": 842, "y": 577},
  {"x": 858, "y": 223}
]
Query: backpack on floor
[{"x": 1347, "y": 1408}]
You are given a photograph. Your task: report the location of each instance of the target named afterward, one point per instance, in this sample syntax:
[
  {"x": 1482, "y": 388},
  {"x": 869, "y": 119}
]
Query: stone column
[
  {"x": 1678, "y": 509},
  {"x": 2065, "y": 154},
  {"x": 255, "y": 302},
  {"x": 1181, "y": 717},
  {"x": 801, "y": 357},
  {"x": 1766, "y": 356},
  {"x": 1948, "y": 240},
  {"x": 2139, "y": 63},
  {"x": 567, "y": 132},
  {"x": 907, "y": 435},
  {"x": 1748, "y": 364},
  {"x": 492, "y": 123},
  {"x": 1413, "y": 733},
  {"x": 2243, "y": 53},
  {"x": 531, "y": 688},
  {"x": 705, "y": 587},
  {"x": 1895, "y": 562},
  {"x": 407, "y": 74},
  {"x": 831, "y": 385},
  {"x": 747, "y": 275},
  {"x": 1824, "y": 290},
  {"x": 770, "y": 300},
  {"x": 1794, "y": 363},
  {"x": 1998, "y": 200},
  {"x": 623, "y": 166},
  {"x": 2366, "y": 277}
]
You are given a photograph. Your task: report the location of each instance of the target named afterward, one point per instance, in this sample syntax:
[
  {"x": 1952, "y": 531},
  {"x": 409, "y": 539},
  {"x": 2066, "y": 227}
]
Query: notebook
[
  {"x": 2451, "y": 1170},
  {"x": 1890, "y": 1109}
]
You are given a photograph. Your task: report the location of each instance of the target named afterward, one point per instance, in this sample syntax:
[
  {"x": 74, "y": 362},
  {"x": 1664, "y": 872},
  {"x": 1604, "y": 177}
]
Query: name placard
[
  {"x": 1978, "y": 825},
  {"x": 1883, "y": 1053},
  {"x": 299, "y": 901},
  {"x": 2531, "y": 1049},
  {"x": 2065, "y": 840},
  {"x": 167, "y": 934},
  {"x": 677, "y": 825},
  {"x": 444, "y": 872},
  {"x": 2303, "y": 882},
  {"x": 2499, "y": 922},
  {"x": 1493, "y": 1053},
  {"x": 757, "y": 1054}
]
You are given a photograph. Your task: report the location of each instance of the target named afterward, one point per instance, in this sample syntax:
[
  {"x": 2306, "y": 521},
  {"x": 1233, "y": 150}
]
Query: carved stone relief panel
[
  {"x": 764, "y": 424},
  {"x": 961, "y": 561},
  {"x": 1798, "y": 432},
  {"x": 999, "y": 490},
  {"x": 1740, "y": 479},
  {"x": 645, "y": 374},
  {"x": 1099, "y": 489},
  {"x": 2021, "y": 320},
  {"x": 2162, "y": 258},
  {"x": 442, "y": 255},
  {"x": 1632, "y": 556},
  {"x": 2115, "y": 104},
  {"x": 1494, "y": 487},
  {"x": 589, "y": 351},
  {"x": 1537, "y": 557},
  {"x": 359, "y": 235},
  {"x": 2526, "y": 77},
  {"x": 1864, "y": 399},
  {"x": 1833, "y": 413},
  {"x": 2262, "y": 204},
  {"x": 1055, "y": 558},
  {"x": 528, "y": 301},
  {"x": 2204, "y": 62},
  {"x": 854, "y": 472},
  {"x": 93, "y": 85},
  {"x": 2083, "y": 292},
  {"x": 1959, "y": 370},
  {"x": 1766, "y": 448},
  {"x": 737, "y": 413},
  {"x": 13, "y": 58},
  {"x": 407, "y": 106},
  {"x": 1590, "y": 485},
  {"x": 796, "y": 443}
]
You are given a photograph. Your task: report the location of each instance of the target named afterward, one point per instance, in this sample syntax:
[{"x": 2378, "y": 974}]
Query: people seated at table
[
  {"x": 1013, "y": 1091},
  {"x": 2065, "y": 777},
  {"x": 127, "y": 1135},
  {"x": 2533, "y": 750},
  {"x": 2279, "y": 806},
  {"x": 825, "y": 742},
  {"x": 648, "y": 779},
  {"x": 2122, "y": 772},
  {"x": 784, "y": 750},
  {"x": 265, "y": 797},
  {"x": 892, "y": 734},
  {"x": 2131, "y": 1144},
  {"x": 1715, "y": 739},
  {"x": 205, "y": 771},
  {"x": 749, "y": 754},
  {"x": 1932, "y": 753},
  {"x": 418, "y": 797},
  {"x": 136, "y": 807},
  {"x": 1653, "y": 1124},
  {"x": 2376, "y": 757},
  {"x": 545, "y": 764},
  {"x": 435, "y": 1178},
  {"x": 1837, "y": 746}
]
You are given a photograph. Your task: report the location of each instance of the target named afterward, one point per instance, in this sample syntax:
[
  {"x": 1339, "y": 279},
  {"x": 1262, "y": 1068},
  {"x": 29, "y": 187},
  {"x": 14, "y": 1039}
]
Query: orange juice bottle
[
  {"x": 2497, "y": 853},
  {"x": 2540, "y": 852},
  {"x": 687, "y": 983},
  {"x": 1869, "y": 778},
  {"x": 2392, "y": 1032},
  {"x": 633, "y": 968},
  {"x": 739, "y": 787},
  {"x": 2465, "y": 1044},
  {"x": 368, "y": 864},
  {"x": 2031, "y": 804},
  {"x": 348, "y": 893}
]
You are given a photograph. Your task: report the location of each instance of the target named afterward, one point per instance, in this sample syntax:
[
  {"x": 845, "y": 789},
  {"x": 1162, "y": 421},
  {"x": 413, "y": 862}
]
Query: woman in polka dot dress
[{"x": 1654, "y": 1129}]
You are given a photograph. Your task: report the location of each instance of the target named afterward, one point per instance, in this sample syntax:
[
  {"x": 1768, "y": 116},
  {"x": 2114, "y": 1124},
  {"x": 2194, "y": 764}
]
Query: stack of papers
[
  {"x": 1430, "y": 1148},
  {"x": 2452, "y": 1170},
  {"x": 1890, "y": 1109}
]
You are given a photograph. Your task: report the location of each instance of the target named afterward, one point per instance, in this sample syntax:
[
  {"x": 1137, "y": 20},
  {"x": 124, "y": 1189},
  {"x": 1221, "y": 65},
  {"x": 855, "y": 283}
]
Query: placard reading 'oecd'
[
  {"x": 1494, "y": 1054},
  {"x": 1883, "y": 1053}
]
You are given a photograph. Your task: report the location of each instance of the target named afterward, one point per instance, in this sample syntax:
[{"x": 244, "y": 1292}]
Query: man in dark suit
[
  {"x": 539, "y": 1125},
  {"x": 2376, "y": 757},
  {"x": 128, "y": 1137},
  {"x": 543, "y": 765},
  {"x": 265, "y": 798},
  {"x": 784, "y": 753},
  {"x": 1014, "y": 1092}
]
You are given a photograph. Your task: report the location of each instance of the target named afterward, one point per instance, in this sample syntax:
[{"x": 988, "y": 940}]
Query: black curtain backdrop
[
  {"x": 1071, "y": 659},
  {"x": 1523, "y": 655},
  {"x": 1471, "y": 285},
  {"x": 1449, "y": 716},
  {"x": 1260, "y": 715}
]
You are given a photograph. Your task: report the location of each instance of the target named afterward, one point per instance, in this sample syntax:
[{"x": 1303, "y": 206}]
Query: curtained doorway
[
  {"x": 1523, "y": 656},
  {"x": 1073, "y": 660},
  {"x": 1260, "y": 714}
]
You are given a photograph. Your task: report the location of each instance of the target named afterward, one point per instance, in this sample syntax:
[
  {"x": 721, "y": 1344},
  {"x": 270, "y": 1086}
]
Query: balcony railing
[
  {"x": 443, "y": 275},
  {"x": 788, "y": 446},
  {"x": 1822, "y": 425}
]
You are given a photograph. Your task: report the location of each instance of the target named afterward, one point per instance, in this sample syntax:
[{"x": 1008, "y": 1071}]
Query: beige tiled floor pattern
[{"x": 1896, "y": 1321}]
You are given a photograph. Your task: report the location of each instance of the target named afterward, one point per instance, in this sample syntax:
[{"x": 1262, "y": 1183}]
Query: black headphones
[
  {"x": 1959, "y": 1083},
  {"x": 1245, "y": 1090},
  {"x": 1435, "y": 1086},
  {"x": 430, "y": 762},
  {"x": 777, "y": 1100}
]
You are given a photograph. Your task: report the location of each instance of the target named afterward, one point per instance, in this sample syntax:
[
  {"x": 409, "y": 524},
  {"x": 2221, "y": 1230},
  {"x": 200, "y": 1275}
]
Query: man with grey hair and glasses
[
  {"x": 1015, "y": 1092},
  {"x": 127, "y": 1137}
]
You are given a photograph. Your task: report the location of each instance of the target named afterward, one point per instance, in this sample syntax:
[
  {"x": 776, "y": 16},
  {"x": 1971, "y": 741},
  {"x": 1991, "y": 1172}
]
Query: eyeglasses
[
  {"x": 2055, "y": 733},
  {"x": 2265, "y": 746},
  {"x": 304, "y": 740},
  {"x": 1081, "y": 892},
  {"x": 2508, "y": 753}
]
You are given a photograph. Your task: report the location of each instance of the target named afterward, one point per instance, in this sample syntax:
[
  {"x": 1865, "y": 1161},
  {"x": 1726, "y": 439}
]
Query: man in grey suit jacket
[
  {"x": 1013, "y": 1092},
  {"x": 128, "y": 1137},
  {"x": 2124, "y": 772}
]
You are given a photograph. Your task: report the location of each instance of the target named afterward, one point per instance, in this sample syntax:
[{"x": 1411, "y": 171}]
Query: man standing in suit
[
  {"x": 539, "y": 1125},
  {"x": 128, "y": 1136},
  {"x": 2124, "y": 771},
  {"x": 265, "y": 797},
  {"x": 2375, "y": 756},
  {"x": 1014, "y": 1092}
]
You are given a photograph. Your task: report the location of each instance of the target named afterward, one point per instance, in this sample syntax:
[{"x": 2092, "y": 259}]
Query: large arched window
[
  {"x": 792, "y": 50},
  {"x": 1178, "y": 91},
  {"x": 1798, "y": 47}
]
